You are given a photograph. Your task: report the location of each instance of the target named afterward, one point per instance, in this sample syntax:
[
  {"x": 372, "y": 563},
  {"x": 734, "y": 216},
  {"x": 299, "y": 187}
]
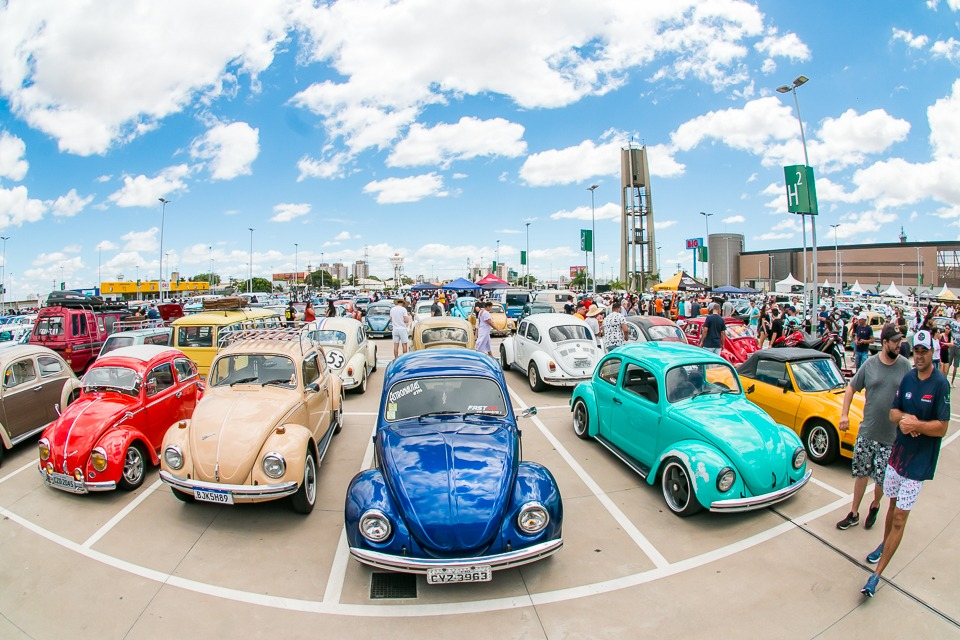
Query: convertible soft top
[{"x": 786, "y": 354}]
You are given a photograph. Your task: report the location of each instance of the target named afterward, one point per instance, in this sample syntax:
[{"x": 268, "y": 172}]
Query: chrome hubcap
[{"x": 132, "y": 465}]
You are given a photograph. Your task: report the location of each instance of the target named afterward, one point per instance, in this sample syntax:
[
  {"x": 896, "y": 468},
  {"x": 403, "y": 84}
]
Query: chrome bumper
[
  {"x": 421, "y": 565},
  {"x": 240, "y": 492},
  {"x": 88, "y": 487},
  {"x": 759, "y": 502},
  {"x": 565, "y": 381},
  {"x": 349, "y": 382}
]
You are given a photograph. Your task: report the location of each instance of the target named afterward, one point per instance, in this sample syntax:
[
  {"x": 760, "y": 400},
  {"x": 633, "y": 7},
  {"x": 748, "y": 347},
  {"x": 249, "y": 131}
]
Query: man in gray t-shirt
[{"x": 880, "y": 375}]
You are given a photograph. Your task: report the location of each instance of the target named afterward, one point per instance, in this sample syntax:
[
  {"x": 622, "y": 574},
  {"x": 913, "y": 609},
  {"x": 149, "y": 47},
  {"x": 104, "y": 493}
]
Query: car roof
[
  {"x": 142, "y": 352},
  {"x": 443, "y": 321},
  {"x": 289, "y": 342},
  {"x": 785, "y": 354},
  {"x": 441, "y": 363},
  {"x": 141, "y": 332},
  {"x": 546, "y": 320},
  {"x": 23, "y": 350},
  {"x": 648, "y": 321},
  {"x": 664, "y": 355},
  {"x": 338, "y": 323}
]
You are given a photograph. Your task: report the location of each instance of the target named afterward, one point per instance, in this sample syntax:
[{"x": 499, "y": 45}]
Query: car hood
[
  {"x": 229, "y": 427},
  {"x": 452, "y": 481},
  {"x": 499, "y": 321},
  {"x": 756, "y": 445},
  {"x": 82, "y": 424}
]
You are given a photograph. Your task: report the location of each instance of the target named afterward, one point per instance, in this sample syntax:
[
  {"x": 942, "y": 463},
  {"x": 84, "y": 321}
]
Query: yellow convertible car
[{"x": 803, "y": 390}]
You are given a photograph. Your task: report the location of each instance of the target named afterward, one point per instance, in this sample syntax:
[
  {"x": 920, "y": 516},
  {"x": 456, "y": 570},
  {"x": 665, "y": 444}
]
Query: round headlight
[
  {"x": 374, "y": 526},
  {"x": 799, "y": 457},
  {"x": 99, "y": 459},
  {"x": 725, "y": 479},
  {"x": 533, "y": 518},
  {"x": 273, "y": 465},
  {"x": 173, "y": 457},
  {"x": 44, "y": 449}
]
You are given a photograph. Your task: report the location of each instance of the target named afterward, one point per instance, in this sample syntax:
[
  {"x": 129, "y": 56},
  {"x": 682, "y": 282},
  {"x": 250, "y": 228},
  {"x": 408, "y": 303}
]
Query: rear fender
[
  {"x": 584, "y": 391},
  {"x": 509, "y": 347},
  {"x": 71, "y": 385}
]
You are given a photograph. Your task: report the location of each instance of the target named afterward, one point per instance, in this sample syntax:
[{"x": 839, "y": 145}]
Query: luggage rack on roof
[
  {"x": 130, "y": 324},
  {"x": 281, "y": 334}
]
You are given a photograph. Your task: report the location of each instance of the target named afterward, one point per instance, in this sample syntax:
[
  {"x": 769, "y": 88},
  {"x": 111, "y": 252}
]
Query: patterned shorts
[
  {"x": 870, "y": 459},
  {"x": 903, "y": 489}
]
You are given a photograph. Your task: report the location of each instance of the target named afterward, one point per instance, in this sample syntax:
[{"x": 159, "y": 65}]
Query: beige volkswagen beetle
[
  {"x": 442, "y": 332},
  {"x": 270, "y": 409}
]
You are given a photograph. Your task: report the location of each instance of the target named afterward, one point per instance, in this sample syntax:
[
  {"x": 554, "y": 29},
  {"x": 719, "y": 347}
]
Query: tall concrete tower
[
  {"x": 636, "y": 220},
  {"x": 397, "y": 261}
]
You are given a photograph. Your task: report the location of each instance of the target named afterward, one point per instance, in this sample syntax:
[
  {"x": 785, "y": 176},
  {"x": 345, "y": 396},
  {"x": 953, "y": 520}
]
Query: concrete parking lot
[{"x": 145, "y": 565}]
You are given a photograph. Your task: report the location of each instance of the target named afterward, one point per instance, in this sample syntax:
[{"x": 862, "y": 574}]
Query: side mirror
[
  {"x": 314, "y": 387},
  {"x": 529, "y": 411},
  {"x": 784, "y": 384},
  {"x": 751, "y": 388}
]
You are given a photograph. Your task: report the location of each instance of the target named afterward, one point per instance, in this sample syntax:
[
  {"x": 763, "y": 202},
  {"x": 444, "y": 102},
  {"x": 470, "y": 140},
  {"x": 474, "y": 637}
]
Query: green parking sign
[
  {"x": 586, "y": 240},
  {"x": 801, "y": 189}
]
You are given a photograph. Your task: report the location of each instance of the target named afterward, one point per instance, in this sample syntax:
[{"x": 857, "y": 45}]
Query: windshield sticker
[
  {"x": 412, "y": 388},
  {"x": 483, "y": 408}
]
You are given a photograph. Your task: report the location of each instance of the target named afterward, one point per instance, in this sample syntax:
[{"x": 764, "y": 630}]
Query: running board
[{"x": 642, "y": 470}]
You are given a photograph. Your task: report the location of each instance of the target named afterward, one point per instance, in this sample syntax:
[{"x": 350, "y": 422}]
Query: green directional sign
[
  {"x": 801, "y": 189},
  {"x": 523, "y": 257},
  {"x": 586, "y": 240}
]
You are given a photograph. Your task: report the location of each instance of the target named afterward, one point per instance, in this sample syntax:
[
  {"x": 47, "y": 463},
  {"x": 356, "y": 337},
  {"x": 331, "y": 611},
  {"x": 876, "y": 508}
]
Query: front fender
[
  {"x": 584, "y": 391},
  {"x": 368, "y": 490},
  {"x": 703, "y": 464},
  {"x": 115, "y": 442},
  {"x": 178, "y": 435},
  {"x": 534, "y": 483},
  {"x": 292, "y": 445}
]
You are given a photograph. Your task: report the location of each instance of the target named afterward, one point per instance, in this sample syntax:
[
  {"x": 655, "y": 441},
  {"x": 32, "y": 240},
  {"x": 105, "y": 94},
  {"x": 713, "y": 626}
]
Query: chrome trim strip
[
  {"x": 240, "y": 492},
  {"x": 421, "y": 565},
  {"x": 758, "y": 502}
]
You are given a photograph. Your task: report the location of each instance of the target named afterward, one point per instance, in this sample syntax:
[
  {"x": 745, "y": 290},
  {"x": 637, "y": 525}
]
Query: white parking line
[
  {"x": 631, "y": 530},
  {"x": 32, "y": 463},
  {"x": 833, "y": 490},
  {"x": 338, "y": 570},
  {"x": 105, "y": 529}
]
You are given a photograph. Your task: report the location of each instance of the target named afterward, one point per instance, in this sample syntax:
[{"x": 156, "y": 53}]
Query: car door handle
[
  {"x": 179, "y": 393},
  {"x": 38, "y": 388},
  {"x": 617, "y": 401}
]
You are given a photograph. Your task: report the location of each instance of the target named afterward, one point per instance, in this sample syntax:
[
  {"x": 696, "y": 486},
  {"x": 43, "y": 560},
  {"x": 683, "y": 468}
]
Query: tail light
[{"x": 67, "y": 353}]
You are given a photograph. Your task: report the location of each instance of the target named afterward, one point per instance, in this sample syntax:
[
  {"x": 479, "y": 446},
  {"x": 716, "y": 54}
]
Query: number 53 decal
[{"x": 335, "y": 359}]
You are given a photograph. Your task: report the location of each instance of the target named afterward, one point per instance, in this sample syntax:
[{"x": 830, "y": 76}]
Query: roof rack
[{"x": 282, "y": 334}]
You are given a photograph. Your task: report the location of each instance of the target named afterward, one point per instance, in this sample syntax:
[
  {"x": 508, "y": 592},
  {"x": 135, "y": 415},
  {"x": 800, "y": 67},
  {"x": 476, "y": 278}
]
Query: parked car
[
  {"x": 377, "y": 320},
  {"x": 110, "y": 436},
  {"x": 200, "y": 335},
  {"x": 348, "y": 308},
  {"x": 677, "y": 415},
  {"x": 271, "y": 407},
  {"x": 12, "y": 335},
  {"x": 532, "y": 308},
  {"x": 75, "y": 327},
  {"x": 37, "y": 385},
  {"x": 555, "y": 298},
  {"x": 803, "y": 389},
  {"x": 738, "y": 340},
  {"x": 503, "y": 325},
  {"x": 349, "y": 352},
  {"x": 449, "y": 496},
  {"x": 513, "y": 300},
  {"x": 442, "y": 332},
  {"x": 551, "y": 349},
  {"x": 162, "y": 336},
  {"x": 422, "y": 310},
  {"x": 653, "y": 328}
]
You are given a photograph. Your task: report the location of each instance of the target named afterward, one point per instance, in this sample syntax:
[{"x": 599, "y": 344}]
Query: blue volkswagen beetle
[
  {"x": 676, "y": 414},
  {"x": 449, "y": 496},
  {"x": 377, "y": 319}
]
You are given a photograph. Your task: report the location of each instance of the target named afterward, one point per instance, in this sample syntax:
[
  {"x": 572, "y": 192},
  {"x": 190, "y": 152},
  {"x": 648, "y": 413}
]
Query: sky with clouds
[{"x": 438, "y": 129}]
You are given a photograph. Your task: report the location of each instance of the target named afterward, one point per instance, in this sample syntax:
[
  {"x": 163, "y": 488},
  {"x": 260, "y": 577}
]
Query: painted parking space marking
[
  {"x": 32, "y": 463},
  {"x": 828, "y": 487},
  {"x": 631, "y": 530},
  {"x": 115, "y": 520}
]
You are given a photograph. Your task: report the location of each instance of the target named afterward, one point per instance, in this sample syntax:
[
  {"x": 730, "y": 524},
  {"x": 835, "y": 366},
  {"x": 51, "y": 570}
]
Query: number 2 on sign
[{"x": 799, "y": 178}]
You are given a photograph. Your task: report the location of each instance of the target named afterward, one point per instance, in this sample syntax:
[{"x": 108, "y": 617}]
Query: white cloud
[
  {"x": 70, "y": 204},
  {"x": 786, "y": 46},
  {"x": 949, "y": 49},
  {"x": 914, "y": 42},
  {"x": 469, "y": 138},
  {"x": 12, "y": 163},
  {"x": 106, "y": 245},
  {"x": 135, "y": 241},
  {"x": 412, "y": 189},
  {"x": 149, "y": 60},
  {"x": 230, "y": 149},
  {"x": 330, "y": 167},
  {"x": 286, "y": 212},
  {"x": 733, "y": 220},
  {"x": 750, "y": 128},
  {"x": 608, "y": 211},
  {"x": 588, "y": 160},
  {"x": 944, "y": 118},
  {"x": 847, "y": 140},
  {"x": 660, "y": 225},
  {"x": 142, "y": 191},
  {"x": 16, "y": 207}
]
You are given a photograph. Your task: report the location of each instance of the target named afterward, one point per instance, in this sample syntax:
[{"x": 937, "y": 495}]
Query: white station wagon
[{"x": 551, "y": 349}]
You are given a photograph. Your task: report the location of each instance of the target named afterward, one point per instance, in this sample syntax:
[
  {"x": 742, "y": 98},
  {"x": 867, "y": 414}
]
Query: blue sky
[{"x": 435, "y": 129}]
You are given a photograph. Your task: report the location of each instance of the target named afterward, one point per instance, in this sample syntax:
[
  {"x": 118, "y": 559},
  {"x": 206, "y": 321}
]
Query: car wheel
[
  {"x": 533, "y": 374},
  {"x": 134, "y": 467},
  {"x": 183, "y": 496},
  {"x": 821, "y": 442},
  {"x": 581, "y": 420},
  {"x": 504, "y": 364},
  {"x": 374, "y": 361},
  {"x": 337, "y": 421},
  {"x": 3, "y": 450},
  {"x": 306, "y": 496},
  {"x": 363, "y": 382},
  {"x": 73, "y": 396},
  {"x": 678, "y": 491}
]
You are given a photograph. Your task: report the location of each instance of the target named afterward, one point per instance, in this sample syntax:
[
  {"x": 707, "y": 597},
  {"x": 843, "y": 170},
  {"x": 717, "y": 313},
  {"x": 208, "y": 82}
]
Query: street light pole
[
  {"x": 706, "y": 274},
  {"x": 836, "y": 257},
  {"x": 296, "y": 274},
  {"x": 321, "y": 270},
  {"x": 163, "y": 211},
  {"x": 801, "y": 80},
  {"x": 593, "y": 234},
  {"x": 497, "y": 258},
  {"x": 528, "y": 257},
  {"x": 3, "y": 279},
  {"x": 250, "y": 285},
  {"x": 210, "y": 250}
]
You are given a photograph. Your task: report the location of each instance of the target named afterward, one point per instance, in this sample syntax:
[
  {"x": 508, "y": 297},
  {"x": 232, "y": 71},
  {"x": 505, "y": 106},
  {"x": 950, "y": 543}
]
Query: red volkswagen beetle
[
  {"x": 109, "y": 435},
  {"x": 738, "y": 340}
]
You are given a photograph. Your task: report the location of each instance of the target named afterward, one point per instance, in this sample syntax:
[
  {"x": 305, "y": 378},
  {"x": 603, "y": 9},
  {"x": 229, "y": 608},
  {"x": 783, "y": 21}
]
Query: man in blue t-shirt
[
  {"x": 921, "y": 409},
  {"x": 711, "y": 334}
]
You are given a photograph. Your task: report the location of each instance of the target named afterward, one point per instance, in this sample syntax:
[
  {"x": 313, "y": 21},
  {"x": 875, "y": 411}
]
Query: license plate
[
  {"x": 449, "y": 575},
  {"x": 213, "y": 495},
  {"x": 63, "y": 481},
  {"x": 581, "y": 363}
]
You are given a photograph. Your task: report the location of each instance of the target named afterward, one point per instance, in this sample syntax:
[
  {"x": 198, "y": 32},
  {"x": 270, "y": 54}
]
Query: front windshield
[
  {"x": 329, "y": 336},
  {"x": 378, "y": 311},
  {"x": 120, "y": 379},
  {"x": 444, "y": 335},
  {"x": 253, "y": 369},
  {"x": 690, "y": 381},
  {"x": 665, "y": 332},
  {"x": 497, "y": 308},
  {"x": 569, "y": 332},
  {"x": 421, "y": 396},
  {"x": 423, "y": 307},
  {"x": 115, "y": 342},
  {"x": 817, "y": 375}
]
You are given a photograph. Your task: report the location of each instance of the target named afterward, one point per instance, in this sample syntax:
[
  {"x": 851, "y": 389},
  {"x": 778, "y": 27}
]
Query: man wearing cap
[
  {"x": 880, "y": 375},
  {"x": 862, "y": 339},
  {"x": 921, "y": 410}
]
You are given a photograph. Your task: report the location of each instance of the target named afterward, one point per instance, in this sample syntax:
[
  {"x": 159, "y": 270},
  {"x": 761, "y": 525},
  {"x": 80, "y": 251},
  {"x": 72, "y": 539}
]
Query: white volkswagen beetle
[
  {"x": 551, "y": 349},
  {"x": 350, "y": 353}
]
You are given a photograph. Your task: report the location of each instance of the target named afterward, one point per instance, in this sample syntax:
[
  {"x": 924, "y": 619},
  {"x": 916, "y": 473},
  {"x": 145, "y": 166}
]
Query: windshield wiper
[
  {"x": 277, "y": 381},
  {"x": 244, "y": 380},
  {"x": 439, "y": 413}
]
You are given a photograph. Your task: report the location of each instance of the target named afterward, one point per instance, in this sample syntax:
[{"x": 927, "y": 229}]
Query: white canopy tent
[
  {"x": 826, "y": 284},
  {"x": 893, "y": 291},
  {"x": 785, "y": 285},
  {"x": 857, "y": 289}
]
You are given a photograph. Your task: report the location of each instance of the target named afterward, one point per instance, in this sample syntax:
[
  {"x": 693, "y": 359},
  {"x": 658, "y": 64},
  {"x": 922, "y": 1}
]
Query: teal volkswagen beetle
[{"x": 676, "y": 414}]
